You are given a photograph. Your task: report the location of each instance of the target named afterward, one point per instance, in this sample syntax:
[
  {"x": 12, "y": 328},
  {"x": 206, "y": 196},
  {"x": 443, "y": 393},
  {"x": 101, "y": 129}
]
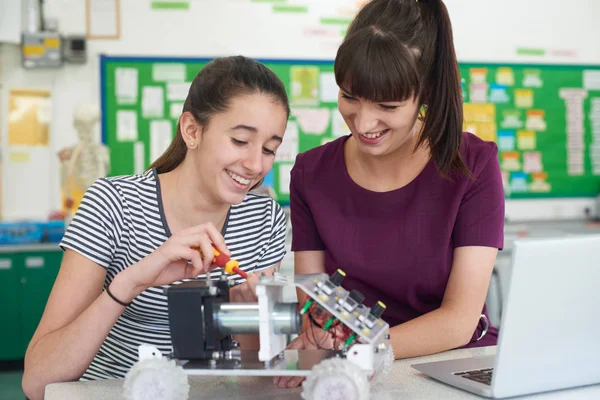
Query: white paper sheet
[
  {"x": 168, "y": 72},
  {"x": 160, "y": 137},
  {"x": 139, "y": 159},
  {"x": 127, "y": 129},
  {"x": 103, "y": 19},
  {"x": 329, "y": 88},
  {"x": 178, "y": 91},
  {"x": 288, "y": 150},
  {"x": 153, "y": 104},
  {"x": 312, "y": 121},
  {"x": 338, "y": 125},
  {"x": 284, "y": 178},
  {"x": 126, "y": 85},
  {"x": 175, "y": 110}
]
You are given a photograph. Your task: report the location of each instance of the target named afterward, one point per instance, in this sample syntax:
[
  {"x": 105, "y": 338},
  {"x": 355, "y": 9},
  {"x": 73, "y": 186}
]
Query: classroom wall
[{"x": 485, "y": 30}]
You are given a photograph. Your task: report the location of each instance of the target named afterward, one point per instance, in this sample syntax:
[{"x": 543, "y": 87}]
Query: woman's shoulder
[{"x": 476, "y": 152}]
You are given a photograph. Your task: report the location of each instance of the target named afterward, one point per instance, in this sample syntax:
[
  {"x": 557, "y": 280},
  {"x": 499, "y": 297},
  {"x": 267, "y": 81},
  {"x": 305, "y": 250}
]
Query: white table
[{"x": 403, "y": 382}]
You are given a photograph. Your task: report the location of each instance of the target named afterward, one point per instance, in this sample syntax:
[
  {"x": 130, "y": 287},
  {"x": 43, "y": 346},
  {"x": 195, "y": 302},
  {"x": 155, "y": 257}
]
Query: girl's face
[
  {"x": 237, "y": 148},
  {"x": 379, "y": 128}
]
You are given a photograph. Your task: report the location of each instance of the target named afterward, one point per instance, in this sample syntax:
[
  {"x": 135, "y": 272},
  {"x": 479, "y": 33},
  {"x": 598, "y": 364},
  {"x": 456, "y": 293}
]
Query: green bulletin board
[
  {"x": 142, "y": 99},
  {"x": 545, "y": 119},
  {"x": 546, "y": 122}
]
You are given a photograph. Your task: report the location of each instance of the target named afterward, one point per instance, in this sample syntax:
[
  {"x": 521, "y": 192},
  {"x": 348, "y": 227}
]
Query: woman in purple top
[{"x": 407, "y": 205}]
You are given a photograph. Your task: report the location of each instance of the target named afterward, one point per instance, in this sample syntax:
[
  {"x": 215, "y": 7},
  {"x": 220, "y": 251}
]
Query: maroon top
[{"x": 397, "y": 246}]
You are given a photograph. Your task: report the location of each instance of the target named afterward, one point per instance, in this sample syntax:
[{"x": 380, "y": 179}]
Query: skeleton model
[
  {"x": 202, "y": 321},
  {"x": 83, "y": 163}
]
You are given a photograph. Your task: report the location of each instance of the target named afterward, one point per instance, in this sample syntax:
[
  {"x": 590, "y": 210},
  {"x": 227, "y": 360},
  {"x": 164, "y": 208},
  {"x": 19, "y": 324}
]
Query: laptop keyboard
[{"x": 479, "y": 375}]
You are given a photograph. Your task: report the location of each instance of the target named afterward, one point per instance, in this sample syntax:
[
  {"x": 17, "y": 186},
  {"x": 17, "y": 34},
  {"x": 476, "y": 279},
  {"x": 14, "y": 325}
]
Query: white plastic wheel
[
  {"x": 336, "y": 379},
  {"x": 385, "y": 367},
  {"x": 154, "y": 379}
]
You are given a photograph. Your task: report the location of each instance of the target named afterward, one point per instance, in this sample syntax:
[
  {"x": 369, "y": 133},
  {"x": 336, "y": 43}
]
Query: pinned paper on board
[
  {"x": 526, "y": 140},
  {"x": 506, "y": 140},
  {"x": 161, "y": 136},
  {"x": 139, "y": 158},
  {"x": 153, "y": 105},
  {"x": 539, "y": 183},
  {"x": 178, "y": 91},
  {"x": 312, "y": 121},
  {"x": 175, "y": 110},
  {"x": 305, "y": 85},
  {"x": 29, "y": 113},
  {"x": 284, "y": 178},
  {"x": 518, "y": 183},
  {"x": 511, "y": 119},
  {"x": 499, "y": 94},
  {"x": 591, "y": 79},
  {"x": 338, "y": 125},
  {"x": 127, "y": 129},
  {"x": 532, "y": 78},
  {"x": 523, "y": 98},
  {"x": 126, "y": 85},
  {"x": 510, "y": 161},
  {"x": 505, "y": 76},
  {"x": 329, "y": 87},
  {"x": 478, "y": 92},
  {"x": 478, "y": 75},
  {"x": 532, "y": 162},
  {"x": 288, "y": 149},
  {"x": 168, "y": 72},
  {"x": 535, "y": 120}
]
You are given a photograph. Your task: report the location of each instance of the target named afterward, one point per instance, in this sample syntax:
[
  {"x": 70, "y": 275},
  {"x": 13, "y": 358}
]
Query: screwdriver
[{"x": 229, "y": 265}]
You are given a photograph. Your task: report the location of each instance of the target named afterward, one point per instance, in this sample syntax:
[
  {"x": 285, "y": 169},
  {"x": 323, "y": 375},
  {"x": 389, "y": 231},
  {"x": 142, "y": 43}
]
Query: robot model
[{"x": 202, "y": 322}]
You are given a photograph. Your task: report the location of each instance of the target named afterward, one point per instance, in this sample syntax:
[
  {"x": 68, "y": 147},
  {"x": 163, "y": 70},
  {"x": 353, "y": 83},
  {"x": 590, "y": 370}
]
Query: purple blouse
[{"x": 398, "y": 246}]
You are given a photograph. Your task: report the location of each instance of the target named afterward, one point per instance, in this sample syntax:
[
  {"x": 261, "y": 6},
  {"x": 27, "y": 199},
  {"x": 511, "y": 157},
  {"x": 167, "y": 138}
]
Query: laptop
[{"x": 550, "y": 329}]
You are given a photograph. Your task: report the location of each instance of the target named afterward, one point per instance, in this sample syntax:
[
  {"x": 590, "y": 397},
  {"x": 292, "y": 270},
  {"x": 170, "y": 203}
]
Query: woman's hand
[
  {"x": 311, "y": 339},
  {"x": 245, "y": 292},
  {"x": 169, "y": 263}
]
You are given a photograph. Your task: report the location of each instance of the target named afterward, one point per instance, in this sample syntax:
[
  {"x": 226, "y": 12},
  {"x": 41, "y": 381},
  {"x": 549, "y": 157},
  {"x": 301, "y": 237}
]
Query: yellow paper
[
  {"x": 523, "y": 98},
  {"x": 28, "y": 117},
  {"x": 19, "y": 157},
  {"x": 526, "y": 140},
  {"x": 479, "y": 112}
]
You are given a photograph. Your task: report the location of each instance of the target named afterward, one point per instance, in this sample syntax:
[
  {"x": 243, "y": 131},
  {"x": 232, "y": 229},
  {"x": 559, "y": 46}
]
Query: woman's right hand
[
  {"x": 306, "y": 340},
  {"x": 169, "y": 263}
]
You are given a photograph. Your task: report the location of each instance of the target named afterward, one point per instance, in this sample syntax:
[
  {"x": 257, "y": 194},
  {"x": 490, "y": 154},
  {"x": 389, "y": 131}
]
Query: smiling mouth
[
  {"x": 374, "y": 135},
  {"x": 239, "y": 179}
]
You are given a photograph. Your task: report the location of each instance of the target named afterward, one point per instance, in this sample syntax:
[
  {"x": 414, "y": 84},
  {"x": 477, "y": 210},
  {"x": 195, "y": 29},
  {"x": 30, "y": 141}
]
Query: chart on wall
[
  {"x": 545, "y": 119},
  {"x": 143, "y": 100},
  {"x": 546, "y": 122}
]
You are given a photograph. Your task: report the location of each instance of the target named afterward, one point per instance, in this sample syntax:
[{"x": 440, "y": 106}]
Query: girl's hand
[
  {"x": 245, "y": 292},
  {"x": 169, "y": 263}
]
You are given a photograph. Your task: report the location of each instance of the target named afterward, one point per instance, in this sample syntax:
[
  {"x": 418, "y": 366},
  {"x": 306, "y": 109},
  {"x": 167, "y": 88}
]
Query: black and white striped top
[{"x": 121, "y": 220}]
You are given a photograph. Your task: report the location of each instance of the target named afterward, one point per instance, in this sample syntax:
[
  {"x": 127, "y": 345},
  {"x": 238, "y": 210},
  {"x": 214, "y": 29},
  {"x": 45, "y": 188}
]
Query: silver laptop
[{"x": 550, "y": 328}]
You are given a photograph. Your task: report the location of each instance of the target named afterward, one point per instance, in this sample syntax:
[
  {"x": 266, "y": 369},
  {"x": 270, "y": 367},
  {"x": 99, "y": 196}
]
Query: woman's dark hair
[
  {"x": 399, "y": 49},
  {"x": 210, "y": 93}
]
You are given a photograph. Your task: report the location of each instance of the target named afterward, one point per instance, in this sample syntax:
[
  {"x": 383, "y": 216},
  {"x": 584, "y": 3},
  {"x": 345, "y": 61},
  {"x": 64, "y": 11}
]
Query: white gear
[
  {"x": 336, "y": 379},
  {"x": 154, "y": 378}
]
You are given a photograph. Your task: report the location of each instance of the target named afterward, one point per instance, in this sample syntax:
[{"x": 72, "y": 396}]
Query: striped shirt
[{"x": 121, "y": 220}]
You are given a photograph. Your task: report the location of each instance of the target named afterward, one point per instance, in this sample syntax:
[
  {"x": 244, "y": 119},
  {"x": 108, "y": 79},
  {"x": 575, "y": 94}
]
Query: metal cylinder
[{"x": 232, "y": 318}]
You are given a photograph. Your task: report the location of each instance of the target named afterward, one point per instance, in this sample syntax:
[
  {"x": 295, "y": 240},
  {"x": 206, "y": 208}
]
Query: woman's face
[
  {"x": 379, "y": 128},
  {"x": 237, "y": 148}
]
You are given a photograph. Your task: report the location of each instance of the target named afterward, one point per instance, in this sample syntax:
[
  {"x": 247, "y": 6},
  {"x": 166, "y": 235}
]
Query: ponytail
[{"x": 443, "y": 123}]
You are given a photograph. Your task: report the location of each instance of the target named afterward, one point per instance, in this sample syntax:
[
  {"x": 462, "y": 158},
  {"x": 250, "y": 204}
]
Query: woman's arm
[
  {"x": 77, "y": 319},
  {"x": 308, "y": 262},
  {"x": 452, "y": 325}
]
